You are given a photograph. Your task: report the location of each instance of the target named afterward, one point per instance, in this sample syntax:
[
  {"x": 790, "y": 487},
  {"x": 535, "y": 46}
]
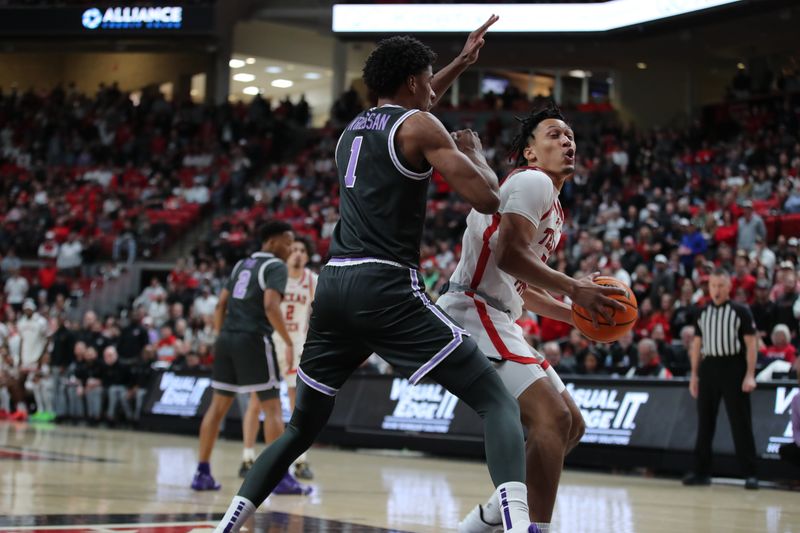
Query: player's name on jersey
[
  {"x": 370, "y": 121},
  {"x": 295, "y": 298}
]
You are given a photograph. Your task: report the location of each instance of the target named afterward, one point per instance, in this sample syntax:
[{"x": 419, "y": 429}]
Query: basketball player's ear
[
  {"x": 411, "y": 83},
  {"x": 529, "y": 153}
]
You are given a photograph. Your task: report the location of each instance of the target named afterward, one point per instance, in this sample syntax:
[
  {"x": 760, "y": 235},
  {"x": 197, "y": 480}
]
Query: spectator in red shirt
[
  {"x": 168, "y": 346},
  {"x": 47, "y": 275},
  {"x": 742, "y": 277},
  {"x": 781, "y": 347},
  {"x": 179, "y": 275},
  {"x": 663, "y": 317},
  {"x": 644, "y": 325}
]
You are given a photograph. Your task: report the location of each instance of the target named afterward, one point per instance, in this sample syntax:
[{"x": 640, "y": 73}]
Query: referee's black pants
[{"x": 721, "y": 378}]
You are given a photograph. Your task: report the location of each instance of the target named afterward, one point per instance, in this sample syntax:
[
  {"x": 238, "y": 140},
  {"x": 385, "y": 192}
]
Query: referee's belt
[{"x": 491, "y": 300}]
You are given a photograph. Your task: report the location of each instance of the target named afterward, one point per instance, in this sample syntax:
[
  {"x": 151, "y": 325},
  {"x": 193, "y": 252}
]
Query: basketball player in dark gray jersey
[
  {"x": 370, "y": 297},
  {"x": 244, "y": 357}
]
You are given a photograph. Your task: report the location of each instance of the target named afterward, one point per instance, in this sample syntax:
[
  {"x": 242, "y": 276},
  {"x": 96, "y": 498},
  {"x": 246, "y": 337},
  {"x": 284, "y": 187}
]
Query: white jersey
[
  {"x": 296, "y": 305},
  {"x": 528, "y": 192},
  {"x": 296, "y": 308}
]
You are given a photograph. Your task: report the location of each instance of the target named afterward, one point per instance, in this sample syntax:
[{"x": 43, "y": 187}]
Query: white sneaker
[{"x": 479, "y": 521}]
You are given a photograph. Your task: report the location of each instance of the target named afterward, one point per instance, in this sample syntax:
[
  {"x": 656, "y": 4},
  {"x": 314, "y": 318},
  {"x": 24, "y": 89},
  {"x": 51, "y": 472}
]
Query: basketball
[{"x": 605, "y": 332}]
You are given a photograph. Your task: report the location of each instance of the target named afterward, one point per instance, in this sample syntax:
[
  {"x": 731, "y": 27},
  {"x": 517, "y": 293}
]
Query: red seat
[
  {"x": 771, "y": 222},
  {"x": 790, "y": 225},
  {"x": 763, "y": 207}
]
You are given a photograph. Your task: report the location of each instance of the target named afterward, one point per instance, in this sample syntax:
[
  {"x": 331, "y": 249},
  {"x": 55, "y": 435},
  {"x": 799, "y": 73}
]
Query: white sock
[
  {"x": 22, "y": 407},
  {"x": 491, "y": 510},
  {"x": 249, "y": 454},
  {"x": 544, "y": 527},
  {"x": 513, "y": 499},
  {"x": 239, "y": 512}
]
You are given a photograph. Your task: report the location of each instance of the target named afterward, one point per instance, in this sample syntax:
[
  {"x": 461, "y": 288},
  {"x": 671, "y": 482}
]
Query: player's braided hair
[
  {"x": 393, "y": 61},
  {"x": 527, "y": 126}
]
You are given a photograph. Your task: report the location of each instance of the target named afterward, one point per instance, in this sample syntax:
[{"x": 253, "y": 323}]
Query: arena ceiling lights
[{"x": 522, "y": 18}]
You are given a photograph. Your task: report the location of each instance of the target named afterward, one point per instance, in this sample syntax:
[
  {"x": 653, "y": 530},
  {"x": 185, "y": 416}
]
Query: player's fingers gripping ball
[{"x": 624, "y": 320}]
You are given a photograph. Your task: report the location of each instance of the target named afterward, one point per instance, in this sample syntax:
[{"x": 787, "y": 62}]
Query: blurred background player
[
  {"x": 296, "y": 309},
  {"x": 247, "y": 313},
  {"x": 503, "y": 269}
]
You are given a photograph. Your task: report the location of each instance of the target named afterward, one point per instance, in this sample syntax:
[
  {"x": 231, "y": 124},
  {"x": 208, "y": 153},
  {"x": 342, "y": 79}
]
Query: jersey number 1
[{"x": 350, "y": 175}]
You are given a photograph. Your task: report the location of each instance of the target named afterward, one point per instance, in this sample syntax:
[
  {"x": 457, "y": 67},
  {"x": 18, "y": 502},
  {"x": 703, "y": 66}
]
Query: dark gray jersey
[
  {"x": 382, "y": 200},
  {"x": 249, "y": 279}
]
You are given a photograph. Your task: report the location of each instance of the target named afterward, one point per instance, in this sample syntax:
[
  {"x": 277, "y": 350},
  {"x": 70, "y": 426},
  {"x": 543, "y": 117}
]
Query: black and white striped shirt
[{"x": 723, "y": 327}]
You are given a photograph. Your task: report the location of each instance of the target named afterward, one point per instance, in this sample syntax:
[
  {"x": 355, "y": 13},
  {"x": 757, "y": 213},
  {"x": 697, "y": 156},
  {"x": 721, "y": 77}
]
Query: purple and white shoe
[
  {"x": 288, "y": 485},
  {"x": 203, "y": 481}
]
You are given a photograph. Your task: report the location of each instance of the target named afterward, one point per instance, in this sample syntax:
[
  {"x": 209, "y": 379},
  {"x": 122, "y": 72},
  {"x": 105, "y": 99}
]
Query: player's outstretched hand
[
  {"x": 475, "y": 41},
  {"x": 596, "y": 299},
  {"x": 467, "y": 140}
]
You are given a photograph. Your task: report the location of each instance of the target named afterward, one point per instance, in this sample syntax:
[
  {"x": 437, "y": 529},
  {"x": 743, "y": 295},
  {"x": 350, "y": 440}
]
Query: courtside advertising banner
[{"x": 643, "y": 414}]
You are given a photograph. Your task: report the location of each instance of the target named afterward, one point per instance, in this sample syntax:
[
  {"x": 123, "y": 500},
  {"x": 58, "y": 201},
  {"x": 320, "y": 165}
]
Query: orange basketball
[{"x": 605, "y": 332}]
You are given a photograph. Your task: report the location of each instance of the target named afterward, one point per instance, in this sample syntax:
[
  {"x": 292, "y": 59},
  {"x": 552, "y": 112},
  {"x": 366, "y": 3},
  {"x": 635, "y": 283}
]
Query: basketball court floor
[{"x": 60, "y": 479}]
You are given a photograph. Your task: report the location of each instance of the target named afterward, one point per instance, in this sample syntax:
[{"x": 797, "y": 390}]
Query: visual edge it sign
[
  {"x": 425, "y": 408},
  {"x": 180, "y": 395},
  {"x": 132, "y": 18},
  {"x": 609, "y": 412},
  {"x": 781, "y": 409}
]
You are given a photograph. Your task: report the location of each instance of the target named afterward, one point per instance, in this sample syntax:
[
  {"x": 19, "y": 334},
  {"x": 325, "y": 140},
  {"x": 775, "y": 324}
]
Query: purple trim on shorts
[
  {"x": 458, "y": 333},
  {"x": 316, "y": 385},
  {"x": 344, "y": 261},
  {"x": 436, "y": 359},
  {"x": 436, "y": 311}
]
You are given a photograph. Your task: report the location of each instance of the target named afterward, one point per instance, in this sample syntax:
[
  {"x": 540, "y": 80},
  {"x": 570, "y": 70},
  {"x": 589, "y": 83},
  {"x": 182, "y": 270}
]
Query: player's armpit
[{"x": 466, "y": 171}]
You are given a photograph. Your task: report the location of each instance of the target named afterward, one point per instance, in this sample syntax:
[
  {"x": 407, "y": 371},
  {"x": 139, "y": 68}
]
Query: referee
[{"x": 725, "y": 340}]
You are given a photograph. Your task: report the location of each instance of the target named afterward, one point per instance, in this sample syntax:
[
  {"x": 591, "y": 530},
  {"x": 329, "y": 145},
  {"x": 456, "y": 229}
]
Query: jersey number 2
[
  {"x": 350, "y": 175},
  {"x": 240, "y": 289}
]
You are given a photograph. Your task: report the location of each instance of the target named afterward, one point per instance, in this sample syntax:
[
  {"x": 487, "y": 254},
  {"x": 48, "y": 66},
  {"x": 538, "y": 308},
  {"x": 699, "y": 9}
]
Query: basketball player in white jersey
[
  {"x": 503, "y": 270},
  {"x": 296, "y": 308}
]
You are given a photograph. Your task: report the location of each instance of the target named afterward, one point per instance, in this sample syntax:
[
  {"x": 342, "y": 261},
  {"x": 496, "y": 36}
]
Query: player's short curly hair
[
  {"x": 527, "y": 126},
  {"x": 393, "y": 61},
  {"x": 273, "y": 228}
]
